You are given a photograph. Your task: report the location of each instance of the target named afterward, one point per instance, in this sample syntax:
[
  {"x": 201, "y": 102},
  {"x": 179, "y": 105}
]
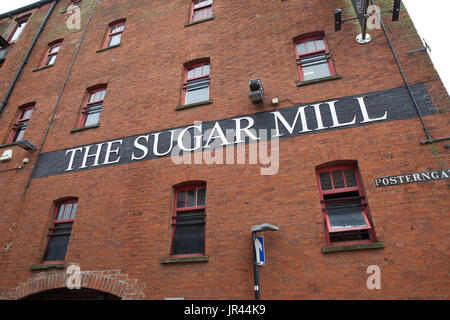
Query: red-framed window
[
  {"x": 92, "y": 107},
  {"x": 313, "y": 58},
  {"x": 18, "y": 28},
  {"x": 52, "y": 53},
  {"x": 188, "y": 221},
  {"x": 58, "y": 235},
  {"x": 344, "y": 205},
  {"x": 114, "y": 35},
  {"x": 196, "y": 83},
  {"x": 21, "y": 124},
  {"x": 201, "y": 9}
]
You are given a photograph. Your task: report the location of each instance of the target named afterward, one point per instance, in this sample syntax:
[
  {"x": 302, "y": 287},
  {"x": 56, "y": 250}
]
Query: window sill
[
  {"x": 84, "y": 128},
  {"x": 192, "y": 105},
  {"x": 47, "y": 266},
  {"x": 304, "y": 83},
  {"x": 198, "y": 21},
  {"x": 364, "y": 246},
  {"x": 43, "y": 68},
  {"x": 168, "y": 260},
  {"x": 107, "y": 48}
]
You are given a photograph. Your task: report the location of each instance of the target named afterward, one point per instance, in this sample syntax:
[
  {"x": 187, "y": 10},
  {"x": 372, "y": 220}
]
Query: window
[
  {"x": 59, "y": 233},
  {"x": 17, "y": 29},
  {"x": 114, "y": 34},
  {"x": 21, "y": 124},
  {"x": 188, "y": 224},
  {"x": 196, "y": 83},
  {"x": 92, "y": 107},
  {"x": 201, "y": 9},
  {"x": 313, "y": 58},
  {"x": 344, "y": 205},
  {"x": 52, "y": 52}
]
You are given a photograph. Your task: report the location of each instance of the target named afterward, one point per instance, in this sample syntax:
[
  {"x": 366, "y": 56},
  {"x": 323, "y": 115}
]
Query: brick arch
[{"x": 109, "y": 281}]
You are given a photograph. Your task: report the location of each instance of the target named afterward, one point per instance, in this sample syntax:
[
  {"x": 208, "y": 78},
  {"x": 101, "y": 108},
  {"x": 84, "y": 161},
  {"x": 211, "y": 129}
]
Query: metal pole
[
  {"x": 255, "y": 269},
  {"x": 364, "y": 26}
]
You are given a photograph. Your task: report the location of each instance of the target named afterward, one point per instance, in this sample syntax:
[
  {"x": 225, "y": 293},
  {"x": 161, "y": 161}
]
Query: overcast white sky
[{"x": 430, "y": 18}]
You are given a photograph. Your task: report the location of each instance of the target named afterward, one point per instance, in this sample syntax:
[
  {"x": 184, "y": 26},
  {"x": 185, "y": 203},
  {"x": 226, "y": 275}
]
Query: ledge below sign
[{"x": 412, "y": 177}]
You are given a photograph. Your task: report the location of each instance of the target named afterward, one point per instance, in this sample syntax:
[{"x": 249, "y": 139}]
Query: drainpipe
[{"x": 27, "y": 55}]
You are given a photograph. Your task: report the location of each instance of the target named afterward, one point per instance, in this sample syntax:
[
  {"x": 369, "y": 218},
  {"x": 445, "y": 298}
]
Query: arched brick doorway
[
  {"x": 74, "y": 294},
  {"x": 94, "y": 284}
]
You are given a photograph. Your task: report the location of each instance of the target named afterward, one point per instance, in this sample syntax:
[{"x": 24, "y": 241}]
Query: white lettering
[
  {"x": 197, "y": 139},
  {"x": 365, "y": 114},
  {"x": 239, "y": 130},
  {"x": 335, "y": 118},
  {"x": 73, "y": 151},
  {"x": 155, "y": 144},
  {"x": 220, "y": 135},
  {"x": 109, "y": 151},
  {"x": 141, "y": 147},
  {"x": 87, "y": 155}
]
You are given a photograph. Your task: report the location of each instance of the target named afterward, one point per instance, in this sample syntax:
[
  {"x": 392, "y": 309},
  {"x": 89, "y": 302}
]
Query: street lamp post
[{"x": 255, "y": 229}]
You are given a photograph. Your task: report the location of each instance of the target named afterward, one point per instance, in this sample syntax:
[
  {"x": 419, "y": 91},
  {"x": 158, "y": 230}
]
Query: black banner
[{"x": 341, "y": 113}]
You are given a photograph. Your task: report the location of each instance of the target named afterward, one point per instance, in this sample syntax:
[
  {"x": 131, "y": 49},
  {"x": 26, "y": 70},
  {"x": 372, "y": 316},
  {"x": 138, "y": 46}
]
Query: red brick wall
[{"x": 123, "y": 220}]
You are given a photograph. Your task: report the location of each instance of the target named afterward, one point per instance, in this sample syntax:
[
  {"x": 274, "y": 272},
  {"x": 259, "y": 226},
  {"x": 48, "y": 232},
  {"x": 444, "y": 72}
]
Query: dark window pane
[
  {"x": 201, "y": 197},
  {"x": 345, "y": 215},
  {"x": 188, "y": 239},
  {"x": 57, "y": 242},
  {"x": 353, "y": 235},
  {"x": 189, "y": 232},
  {"x": 181, "y": 197},
  {"x": 325, "y": 180},
  {"x": 190, "y": 198},
  {"x": 350, "y": 178},
  {"x": 338, "y": 179}
]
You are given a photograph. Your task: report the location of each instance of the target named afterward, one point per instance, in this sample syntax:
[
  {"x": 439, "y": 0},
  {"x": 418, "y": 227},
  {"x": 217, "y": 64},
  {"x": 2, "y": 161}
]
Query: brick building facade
[{"x": 361, "y": 177}]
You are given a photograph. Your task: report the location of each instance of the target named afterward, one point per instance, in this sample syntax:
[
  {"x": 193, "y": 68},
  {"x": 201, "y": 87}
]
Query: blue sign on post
[{"x": 259, "y": 248}]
